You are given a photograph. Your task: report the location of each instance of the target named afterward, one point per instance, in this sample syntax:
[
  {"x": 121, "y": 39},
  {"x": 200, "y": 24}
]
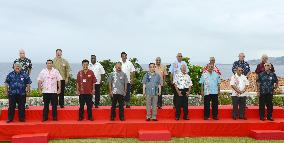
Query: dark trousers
[
  {"x": 13, "y": 100},
  {"x": 47, "y": 98},
  {"x": 61, "y": 95},
  {"x": 175, "y": 95},
  {"x": 160, "y": 98},
  {"x": 117, "y": 98},
  {"x": 128, "y": 93},
  {"x": 182, "y": 101},
  {"x": 85, "y": 99},
  {"x": 265, "y": 100},
  {"x": 214, "y": 99},
  {"x": 239, "y": 104},
  {"x": 97, "y": 94}
]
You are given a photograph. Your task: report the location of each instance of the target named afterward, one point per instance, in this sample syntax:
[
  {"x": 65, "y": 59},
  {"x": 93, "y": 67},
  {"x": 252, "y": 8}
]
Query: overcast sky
[{"x": 143, "y": 28}]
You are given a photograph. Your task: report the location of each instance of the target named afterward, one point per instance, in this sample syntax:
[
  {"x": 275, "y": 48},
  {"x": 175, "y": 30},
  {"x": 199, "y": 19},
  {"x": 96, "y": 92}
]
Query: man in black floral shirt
[
  {"x": 25, "y": 62},
  {"x": 26, "y": 65},
  {"x": 267, "y": 83}
]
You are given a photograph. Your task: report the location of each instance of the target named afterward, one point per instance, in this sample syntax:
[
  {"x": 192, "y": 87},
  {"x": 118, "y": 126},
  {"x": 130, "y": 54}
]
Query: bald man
[{"x": 175, "y": 69}]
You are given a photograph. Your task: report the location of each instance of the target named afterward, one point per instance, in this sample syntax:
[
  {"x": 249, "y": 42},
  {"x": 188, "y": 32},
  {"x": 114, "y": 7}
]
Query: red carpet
[{"x": 69, "y": 127}]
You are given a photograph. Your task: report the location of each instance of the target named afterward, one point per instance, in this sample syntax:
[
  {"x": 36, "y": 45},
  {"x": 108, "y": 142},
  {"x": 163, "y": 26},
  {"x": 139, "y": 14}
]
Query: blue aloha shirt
[{"x": 17, "y": 82}]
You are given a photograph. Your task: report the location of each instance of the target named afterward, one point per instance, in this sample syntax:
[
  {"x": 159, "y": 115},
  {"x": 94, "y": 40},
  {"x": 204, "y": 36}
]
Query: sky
[{"x": 144, "y": 29}]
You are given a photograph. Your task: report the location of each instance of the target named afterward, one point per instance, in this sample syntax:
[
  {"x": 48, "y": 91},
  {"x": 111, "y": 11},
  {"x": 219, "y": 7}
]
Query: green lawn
[{"x": 174, "y": 140}]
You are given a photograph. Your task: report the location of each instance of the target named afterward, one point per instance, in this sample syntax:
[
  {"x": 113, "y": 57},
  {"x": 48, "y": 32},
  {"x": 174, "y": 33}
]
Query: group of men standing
[{"x": 53, "y": 78}]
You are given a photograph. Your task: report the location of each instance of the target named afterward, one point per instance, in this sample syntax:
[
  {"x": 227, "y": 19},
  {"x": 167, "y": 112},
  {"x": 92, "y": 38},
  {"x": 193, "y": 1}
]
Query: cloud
[{"x": 145, "y": 29}]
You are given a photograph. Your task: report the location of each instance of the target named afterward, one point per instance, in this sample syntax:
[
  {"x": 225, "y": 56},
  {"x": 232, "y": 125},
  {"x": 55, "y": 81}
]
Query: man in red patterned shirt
[{"x": 85, "y": 89}]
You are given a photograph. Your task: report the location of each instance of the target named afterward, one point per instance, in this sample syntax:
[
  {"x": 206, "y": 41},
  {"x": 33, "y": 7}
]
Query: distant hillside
[{"x": 273, "y": 60}]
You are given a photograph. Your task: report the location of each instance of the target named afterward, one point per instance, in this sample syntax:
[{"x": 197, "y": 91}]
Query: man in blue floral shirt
[
  {"x": 243, "y": 64},
  {"x": 26, "y": 64},
  {"x": 17, "y": 86},
  {"x": 267, "y": 83}
]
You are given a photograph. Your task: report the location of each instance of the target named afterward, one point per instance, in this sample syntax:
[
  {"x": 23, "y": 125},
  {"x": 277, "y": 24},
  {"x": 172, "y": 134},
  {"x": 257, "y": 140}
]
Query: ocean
[{"x": 5, "y": 68}]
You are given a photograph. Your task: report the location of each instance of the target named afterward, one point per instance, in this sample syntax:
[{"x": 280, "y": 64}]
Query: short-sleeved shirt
[
  {"x": 152, "y": 82},
  {"x": 182, "y": 81},
  {"x": 98, "y": 70},
  {"x": 49, "y": 80},
  {"x": 211, "y": 82},
  {"x": 267, "y": 81},
  {"x": 260, "y": 68},
  {"x": 86, "y": 81},
  {"x": 162, "y": 71},
  {"x": 243, "y": 64},
  {"x": 176, "y": 66},
  {"x": 25, "y": 63},
  {"x": 118, "y": 81},
  {"x": 215, "y": 69},
  {"x": 240, "y": 82},
  {"x": 17, "y": 83},
  {"x": 62, "y": 66}
]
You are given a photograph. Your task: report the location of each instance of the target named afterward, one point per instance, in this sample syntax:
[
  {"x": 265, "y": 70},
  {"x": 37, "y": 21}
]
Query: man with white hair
[
  {"x": 17, "y": 86},
  {"x": 183, "y": 86},
  {"x": 26, "y": 65},
  {"x": 243, "y": 64},
  {"x": 25, "y": 62},
  {"x": 261, "y": 68}
]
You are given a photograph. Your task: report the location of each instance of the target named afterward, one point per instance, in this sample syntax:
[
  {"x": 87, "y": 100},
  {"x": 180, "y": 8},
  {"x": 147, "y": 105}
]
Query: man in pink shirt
[{"x": 48, "y": 81}]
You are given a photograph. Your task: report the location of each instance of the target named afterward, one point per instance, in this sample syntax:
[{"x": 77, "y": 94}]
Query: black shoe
[
  {"x": 22, "y": 120},
  {"x": 55, "y": 119},
  {"x": 43, "y": 120},
  {"x": 127, "y": 106},
  {"x": 61, "y": 106},
  {"x": 91, "y": 119},
  {"x": 96, "y": 106},
  {"x": 154, "y": 119},
  {"x": 262, "y": 119},
  {"x": 112, "y": 118},
  {"x": 9, "y": 121},
  {"x": 159, "y": 107},
  {"x": 270, "y": 119},
  {"x": 215, "y": 118},
  {"x": 80, "y": 119},
  {"x": 243, "y": 118},
  {"x": 206, "y": 118},
  {"x": 148, "y": 119},
  {"x": 185, "y": 118},
  {"x": 122, "y": 119},
  {"x": 27, "y": 106},
  {"x": 177, "y": 119}
]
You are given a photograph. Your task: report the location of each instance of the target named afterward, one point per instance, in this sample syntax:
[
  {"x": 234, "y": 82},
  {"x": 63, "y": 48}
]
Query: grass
[{"x": 174, "y": 140}]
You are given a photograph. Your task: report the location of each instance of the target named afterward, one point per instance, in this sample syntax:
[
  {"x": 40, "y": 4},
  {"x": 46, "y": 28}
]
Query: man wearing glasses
[
  {"x": 267, "y": 82},
  {"x": 175, "y": 69}
]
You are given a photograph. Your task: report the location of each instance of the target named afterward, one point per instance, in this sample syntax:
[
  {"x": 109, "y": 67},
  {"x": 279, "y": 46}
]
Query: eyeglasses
[{"x": 267, "y": 65}]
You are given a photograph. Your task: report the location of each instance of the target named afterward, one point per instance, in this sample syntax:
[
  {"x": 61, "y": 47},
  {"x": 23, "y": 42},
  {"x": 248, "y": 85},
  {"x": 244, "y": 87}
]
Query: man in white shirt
[
  {"x": 129, "y": 69},
  {"x": 239, "y": 83},
  {"x": 183, "y": 84},
  {"x": 99, "y": 72}
]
